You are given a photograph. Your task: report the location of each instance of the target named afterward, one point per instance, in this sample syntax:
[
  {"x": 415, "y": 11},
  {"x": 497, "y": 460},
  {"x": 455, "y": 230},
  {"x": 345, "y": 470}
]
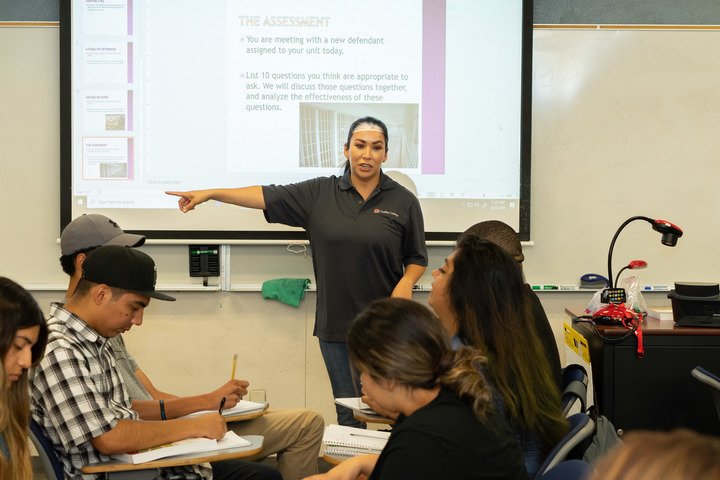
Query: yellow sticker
[{"x": 576, "y": 342}]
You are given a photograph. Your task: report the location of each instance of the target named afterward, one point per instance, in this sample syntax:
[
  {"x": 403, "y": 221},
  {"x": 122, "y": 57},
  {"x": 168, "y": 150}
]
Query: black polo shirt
[{"x": 359, "y": 247}]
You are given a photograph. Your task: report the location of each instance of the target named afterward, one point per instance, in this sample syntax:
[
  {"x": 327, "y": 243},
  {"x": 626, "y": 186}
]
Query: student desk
[
  {"x": 361, "y": 416},
  {"x": 335, "y": 459},
  {"x": 241, "y": 417},
  {"x": 115, "y": 466},
  {"x": 655, "y": 392}
]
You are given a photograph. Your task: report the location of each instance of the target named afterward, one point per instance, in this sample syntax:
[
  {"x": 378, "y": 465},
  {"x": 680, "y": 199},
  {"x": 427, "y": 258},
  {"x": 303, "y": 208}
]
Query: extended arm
[
  {"x": 176, "y": 406},
  {"x": 412, "y": 274},
  {"x": 133, "y": 435},
  {"x": 250, "y": 197},
  {"x": 350, "y": 469}
]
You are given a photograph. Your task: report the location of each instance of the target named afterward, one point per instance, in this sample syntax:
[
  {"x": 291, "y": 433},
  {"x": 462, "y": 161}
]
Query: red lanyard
[{"x": 636, "y": 319}]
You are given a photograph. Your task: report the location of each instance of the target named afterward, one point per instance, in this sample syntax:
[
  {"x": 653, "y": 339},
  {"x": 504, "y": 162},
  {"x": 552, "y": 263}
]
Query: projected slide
[{"x": 170, "y": 95}]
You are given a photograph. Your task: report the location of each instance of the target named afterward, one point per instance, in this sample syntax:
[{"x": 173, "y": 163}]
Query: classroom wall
[{"x": 624, "y": 123}]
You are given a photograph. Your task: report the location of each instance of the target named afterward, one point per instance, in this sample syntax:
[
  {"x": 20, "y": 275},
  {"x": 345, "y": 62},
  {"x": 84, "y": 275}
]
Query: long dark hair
[
  {"x": 401, "y": 340},
  {"x": 494, "y": 314},
  {"x": 18, "y": 310},
  {"x": 361, "y": 122}
]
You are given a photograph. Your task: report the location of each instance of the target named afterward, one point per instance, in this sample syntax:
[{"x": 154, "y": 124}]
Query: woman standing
[
  {"x": 481, "y": 300},
  {"x": 366, "y": 232},
  {"x": 447, "y": 426},
  {"x": 23, "y": 336}
]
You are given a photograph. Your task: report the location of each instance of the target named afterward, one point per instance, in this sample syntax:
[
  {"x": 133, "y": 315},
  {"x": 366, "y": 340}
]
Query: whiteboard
[{"x": 625, "y": 122}]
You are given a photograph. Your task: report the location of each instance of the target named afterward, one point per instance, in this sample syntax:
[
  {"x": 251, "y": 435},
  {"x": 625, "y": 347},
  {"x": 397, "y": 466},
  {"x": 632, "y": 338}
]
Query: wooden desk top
[
  {"x": 651, "y": 326},
  {"x": 181, "y": 460},
  {"x": 335, "y": 459}
]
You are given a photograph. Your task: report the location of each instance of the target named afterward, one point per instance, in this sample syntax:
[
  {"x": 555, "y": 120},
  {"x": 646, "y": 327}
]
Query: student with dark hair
[
  {"x": 447, "y": 426},
  {"x": 79, "y": 397},
  {"x": 83, "y": 235},
  {"x": 504, "y": 236},
  {"x": 480, "y": 298},
  {"x": 23, "y": 336},
  {"x": 293, "y": 435},
  {"x": 366, "y": 233}
]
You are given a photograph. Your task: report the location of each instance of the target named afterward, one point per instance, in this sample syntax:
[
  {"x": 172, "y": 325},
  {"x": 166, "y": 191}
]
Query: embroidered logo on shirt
[{"x": 386, "y": 212}]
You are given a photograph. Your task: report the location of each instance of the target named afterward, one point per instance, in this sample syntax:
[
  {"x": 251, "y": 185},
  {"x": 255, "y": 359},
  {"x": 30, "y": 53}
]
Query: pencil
[{"x": 234, "y": 364}]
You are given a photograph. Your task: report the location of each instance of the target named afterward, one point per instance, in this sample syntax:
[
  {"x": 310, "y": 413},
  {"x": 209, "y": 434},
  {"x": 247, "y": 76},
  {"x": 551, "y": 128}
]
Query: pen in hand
[{"x": 222, "y": 404}]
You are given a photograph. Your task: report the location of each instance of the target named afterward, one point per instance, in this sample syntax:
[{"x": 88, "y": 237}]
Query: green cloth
[{"x": 286, "y": 290}]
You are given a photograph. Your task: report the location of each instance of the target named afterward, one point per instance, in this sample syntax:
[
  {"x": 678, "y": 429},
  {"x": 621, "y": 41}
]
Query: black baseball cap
[{"x": 123, "y": 267}]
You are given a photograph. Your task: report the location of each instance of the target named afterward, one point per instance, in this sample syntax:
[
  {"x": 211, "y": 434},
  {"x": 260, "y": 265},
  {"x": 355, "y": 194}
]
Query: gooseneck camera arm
[{"x": 670, "y": 234}]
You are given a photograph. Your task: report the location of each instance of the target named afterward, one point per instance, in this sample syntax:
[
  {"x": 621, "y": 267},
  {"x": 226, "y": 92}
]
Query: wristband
[{"x": 162, "y": 410}]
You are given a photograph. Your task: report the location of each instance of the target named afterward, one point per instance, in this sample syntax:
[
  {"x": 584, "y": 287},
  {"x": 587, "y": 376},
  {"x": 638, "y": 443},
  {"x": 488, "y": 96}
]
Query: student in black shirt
[
  {"x": 480, "y": 298},
  {"x": 447, "y": 426},
  {"x": 502, "y": 235}
]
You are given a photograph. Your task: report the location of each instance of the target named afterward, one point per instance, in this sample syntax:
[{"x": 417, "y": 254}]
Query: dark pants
[
  {"x": 342, "y": 381},
  {"x": 242, "y": 470}
]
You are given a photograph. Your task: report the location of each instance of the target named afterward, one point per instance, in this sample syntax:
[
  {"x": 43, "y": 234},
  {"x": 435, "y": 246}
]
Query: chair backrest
[
  {"x": 51, "y": 462},
  {"x": 581, "y": 428},
  {"x": 711, "y": 380},
  {"x": 574, "y": 387},
  {"x": 569, "y": 470}
]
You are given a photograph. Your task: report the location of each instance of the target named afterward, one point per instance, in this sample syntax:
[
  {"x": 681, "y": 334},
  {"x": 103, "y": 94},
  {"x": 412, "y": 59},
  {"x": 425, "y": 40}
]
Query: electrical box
[{"x": 204, "y": 260}]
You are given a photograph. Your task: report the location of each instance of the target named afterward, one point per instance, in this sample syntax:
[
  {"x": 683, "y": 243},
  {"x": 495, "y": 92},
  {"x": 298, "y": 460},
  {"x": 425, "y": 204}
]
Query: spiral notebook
[{"x": 350, "y": 441}]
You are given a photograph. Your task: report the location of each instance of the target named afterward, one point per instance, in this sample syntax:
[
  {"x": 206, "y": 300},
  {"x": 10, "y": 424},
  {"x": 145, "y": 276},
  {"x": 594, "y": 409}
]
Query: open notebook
[
  {"x": 350, "y": 441},
  {"x": 242, "y": 407},
  {"x": 182, "y": 447},
  {"x": 355, "y": 403}
]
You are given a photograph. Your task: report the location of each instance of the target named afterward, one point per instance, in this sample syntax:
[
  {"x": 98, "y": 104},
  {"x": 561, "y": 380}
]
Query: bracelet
[{"x": 162, "y": 410}]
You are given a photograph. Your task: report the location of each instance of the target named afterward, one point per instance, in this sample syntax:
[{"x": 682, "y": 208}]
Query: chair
[
  {"x": 569, "y": 470},
  {"x": 574, "y": 387},
  {"x": 53, "y": 467},
  {"x": 581, "y": 428},
  {"x": 711, "y": 380},
  {"x": 48, "y": 457}
]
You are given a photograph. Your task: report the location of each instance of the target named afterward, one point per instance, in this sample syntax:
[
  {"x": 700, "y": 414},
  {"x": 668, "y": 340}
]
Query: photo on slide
[{"x": 324, "y": 128}]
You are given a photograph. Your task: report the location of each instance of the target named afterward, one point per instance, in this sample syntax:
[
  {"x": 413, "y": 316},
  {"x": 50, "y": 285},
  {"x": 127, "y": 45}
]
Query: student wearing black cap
[
  {"x": 78, "y": 395},
  {"x": 85, "y": 234},
  {"x": 293, "y": 435}
]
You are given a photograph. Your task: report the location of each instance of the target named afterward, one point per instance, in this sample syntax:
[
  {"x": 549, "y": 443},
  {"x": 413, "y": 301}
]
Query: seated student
[
  {"x": 504, "y": 236},
  {"x": 480, "y": 298},
  {"x": 677, "y": 455},
  {"x": 23, "y": 335},
  {"x": 447, "y": 425},
  {"x": 78, "y": 395},
  {"x": 295, "y": 435}
]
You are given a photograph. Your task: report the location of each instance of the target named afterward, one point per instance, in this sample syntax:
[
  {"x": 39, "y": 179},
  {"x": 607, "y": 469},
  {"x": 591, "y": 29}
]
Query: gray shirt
[{"x": 127, "y": 366}]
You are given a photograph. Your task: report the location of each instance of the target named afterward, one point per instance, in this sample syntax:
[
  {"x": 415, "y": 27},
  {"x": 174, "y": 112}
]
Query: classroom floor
[{"x": 323, "y": 466}]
